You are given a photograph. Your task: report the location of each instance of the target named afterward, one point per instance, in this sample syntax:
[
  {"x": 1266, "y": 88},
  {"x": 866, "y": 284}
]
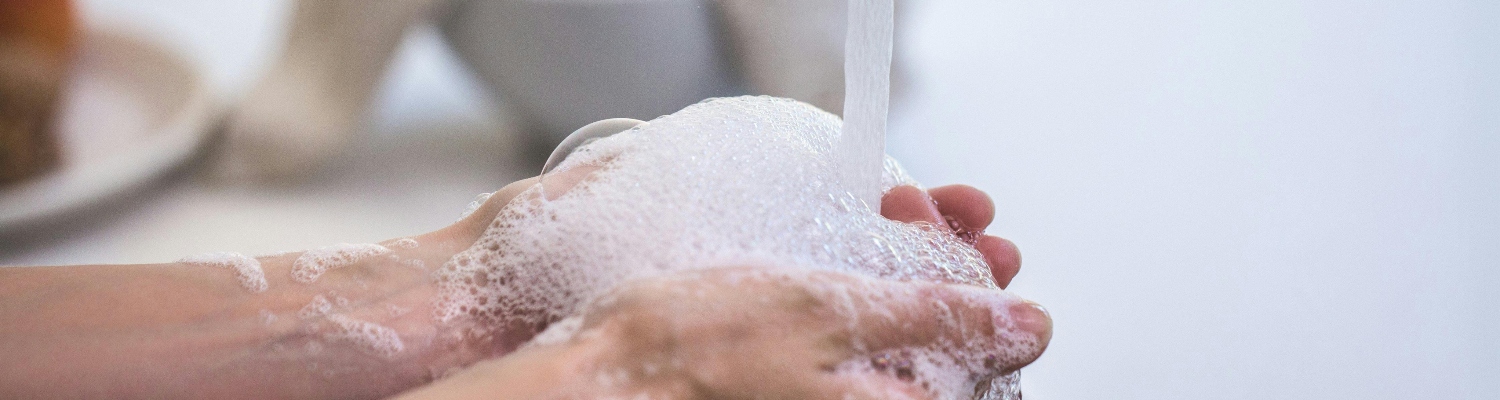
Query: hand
[
  {"x": 768, "y": 333},
  {"x": 960, "y": 209},
  {"x": 227, "y": 341}
]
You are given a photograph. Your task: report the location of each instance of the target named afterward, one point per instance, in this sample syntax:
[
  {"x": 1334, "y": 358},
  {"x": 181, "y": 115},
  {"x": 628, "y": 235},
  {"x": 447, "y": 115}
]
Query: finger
[
  {"x": 969, "y": 206},
  {"x": 781, "y": 377},
  {"x": 1002, "y": 256},
  {"x": 797, "y": 384},
  {"x": 910, "y": 204},
  {"x": 973, "y": 322},
  {"x": 863, "y": 386}
]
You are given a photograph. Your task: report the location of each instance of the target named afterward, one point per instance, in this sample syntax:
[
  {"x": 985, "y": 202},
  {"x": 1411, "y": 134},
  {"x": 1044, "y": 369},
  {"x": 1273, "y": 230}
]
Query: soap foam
[
  {"x": 404, "y": 243},
  {"x": 313, "y": 263},
  {"x": 317, "y": 307},
  {"x": 246, "y": 269},
  {"x": 368, "y": 336},
  {"x": 267, "y": 317},
  {"x": 726, "y": 182},
  {"x": 955, "y": 368}
]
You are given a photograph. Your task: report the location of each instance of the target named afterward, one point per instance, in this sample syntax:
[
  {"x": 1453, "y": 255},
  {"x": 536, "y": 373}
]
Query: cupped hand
[{"x": 962, "y": 210}]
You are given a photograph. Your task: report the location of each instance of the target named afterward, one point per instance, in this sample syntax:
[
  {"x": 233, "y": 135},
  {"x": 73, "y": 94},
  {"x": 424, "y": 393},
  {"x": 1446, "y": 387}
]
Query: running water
[{"x": 867, "y": 93}]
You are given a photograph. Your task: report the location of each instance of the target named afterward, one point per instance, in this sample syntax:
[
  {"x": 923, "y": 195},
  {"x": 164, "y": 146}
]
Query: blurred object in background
[
  {"x": 556, "y": 65},
  {"x": 314, "y": 95},
  {"x": 37, "y": 41},
  {"x": 563, "y": 65},
  {"x": 124, "y": 111}
]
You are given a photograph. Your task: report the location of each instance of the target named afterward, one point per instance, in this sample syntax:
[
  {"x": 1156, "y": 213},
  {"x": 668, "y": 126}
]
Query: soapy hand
[
  {"x": 750, "y": 330},
  {"x": 961, "y": 209},
  {"x": 770, "y": 333}
]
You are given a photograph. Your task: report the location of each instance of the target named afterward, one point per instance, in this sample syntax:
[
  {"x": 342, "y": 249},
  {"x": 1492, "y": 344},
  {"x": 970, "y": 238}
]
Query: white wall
[{"x": 1232, "y": 199}]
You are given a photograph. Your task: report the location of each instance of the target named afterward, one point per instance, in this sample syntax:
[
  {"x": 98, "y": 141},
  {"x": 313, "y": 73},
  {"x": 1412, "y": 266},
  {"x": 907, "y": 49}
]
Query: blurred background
[{"x": 1215, "y": 199}]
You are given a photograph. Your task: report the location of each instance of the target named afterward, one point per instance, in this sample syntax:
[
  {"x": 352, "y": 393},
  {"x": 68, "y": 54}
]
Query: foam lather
[{"x": 723, "y": 183}]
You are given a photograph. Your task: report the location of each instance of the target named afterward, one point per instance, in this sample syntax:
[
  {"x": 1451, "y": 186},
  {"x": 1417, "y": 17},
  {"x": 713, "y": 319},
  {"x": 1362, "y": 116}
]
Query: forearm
[
  {"x": 186, "y": 330},
  {"x": 121, "y": 323},
  {"x": 189, "y": 330}
]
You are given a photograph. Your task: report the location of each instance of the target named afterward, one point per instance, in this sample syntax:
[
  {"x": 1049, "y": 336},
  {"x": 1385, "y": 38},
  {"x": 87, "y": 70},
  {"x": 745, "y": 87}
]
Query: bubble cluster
[
  {"x": 368, "y": 336},
  {"x": 317, "y": 307},
  {"x": 967, "y": 362},
  {"x": 404, "y": 243},
  {"x": 313, "y": 263},
  {"x": 726, "y": 182},
  {"x": 246, "y": 269},
  {"x": 267, "y": 317}
]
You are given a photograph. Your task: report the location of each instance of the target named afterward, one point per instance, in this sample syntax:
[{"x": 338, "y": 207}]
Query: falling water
[{"x": 867, "y": 92}]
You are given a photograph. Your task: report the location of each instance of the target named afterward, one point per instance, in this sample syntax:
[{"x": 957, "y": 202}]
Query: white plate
[{"x": 132, "y": 110}]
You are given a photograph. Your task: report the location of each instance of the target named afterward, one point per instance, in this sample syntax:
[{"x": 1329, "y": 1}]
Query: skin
[
  {"x": 190, "y": 331},
  {"x": 750, "y": 332}
]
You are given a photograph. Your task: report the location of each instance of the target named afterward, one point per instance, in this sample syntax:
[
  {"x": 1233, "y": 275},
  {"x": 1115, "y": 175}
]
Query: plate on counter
[{"x": 132, "y": 110}]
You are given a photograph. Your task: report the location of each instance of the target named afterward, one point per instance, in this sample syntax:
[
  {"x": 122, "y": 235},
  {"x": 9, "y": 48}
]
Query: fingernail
[{"x": 1031, "y": 317}]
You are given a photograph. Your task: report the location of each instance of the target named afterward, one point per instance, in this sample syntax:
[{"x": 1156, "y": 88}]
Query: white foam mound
[
  {"x": 245, "y": 268},
  {"x": 726, "y": 182},
  {"x": 313, "y": 263}
]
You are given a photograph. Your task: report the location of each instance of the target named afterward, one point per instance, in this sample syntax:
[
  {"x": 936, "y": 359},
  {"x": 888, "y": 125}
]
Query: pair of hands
[
  {"x": 757, "y": 332},
  {"x": 190, "y": 330}
]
